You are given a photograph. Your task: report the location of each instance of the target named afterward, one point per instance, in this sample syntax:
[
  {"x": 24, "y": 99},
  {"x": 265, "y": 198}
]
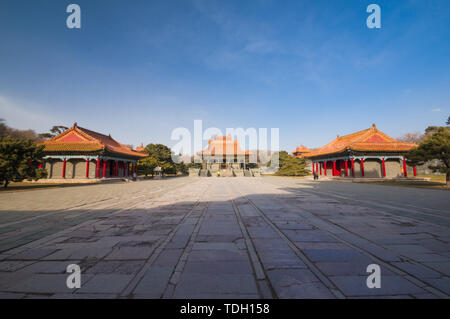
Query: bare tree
[
  {"x": 5, "y": 130},
  {"x": 414, "y": 137}
]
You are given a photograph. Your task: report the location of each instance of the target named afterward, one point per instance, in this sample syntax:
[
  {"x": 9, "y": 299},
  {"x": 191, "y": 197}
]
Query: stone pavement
[{"x": 223, "y": 238}]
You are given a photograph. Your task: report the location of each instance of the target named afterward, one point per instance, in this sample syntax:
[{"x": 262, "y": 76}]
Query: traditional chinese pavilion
[
  {"x": 367, "y": 153},
  {"x": 223, "y": 153},
  {"x": 79, "y": 153},
  {"x": 301, "y": 151}
]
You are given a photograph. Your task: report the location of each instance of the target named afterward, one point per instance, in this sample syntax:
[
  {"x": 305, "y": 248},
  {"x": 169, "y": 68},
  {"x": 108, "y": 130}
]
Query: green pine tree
[
  {"x": 435, "y": 146},
  {"x": 291, "y": 165},
  {"x": 19, "y": 160}
]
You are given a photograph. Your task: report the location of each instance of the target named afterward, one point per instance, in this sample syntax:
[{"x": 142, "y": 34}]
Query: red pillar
[
  {"x": 87, "y": 168},
  {"x": 334, "y": 168},
  {"x": 64, "y": 168},
  {"x": 104, "y": 169},
  {"x": 353, "y": 167},
  {"x": 415, "y": 171},
  {"x": 317, "y": 167},
  {"x": 362, "y": 167},
  {"x": 313, "y": 164},
  {"x": 405, "y": 172},
  {"x": 325, "y": 168},
  {"x": 346, "y": 167},
  {"x": 384, "y": 167},
  {"x": 98, "y": 167}
]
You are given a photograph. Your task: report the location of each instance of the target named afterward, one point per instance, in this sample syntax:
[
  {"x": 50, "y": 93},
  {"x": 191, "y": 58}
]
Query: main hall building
[
  {"x": 367, "y": 153},
  {"x": 79, "y": 153}
]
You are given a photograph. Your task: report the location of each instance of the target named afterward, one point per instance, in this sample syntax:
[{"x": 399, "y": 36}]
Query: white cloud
[
  {"x": 262, "y": 47},
  {"x": 407, "y": 91},
  {"x": 435, "y": 110},
  {"x": 22, "y": 114}
]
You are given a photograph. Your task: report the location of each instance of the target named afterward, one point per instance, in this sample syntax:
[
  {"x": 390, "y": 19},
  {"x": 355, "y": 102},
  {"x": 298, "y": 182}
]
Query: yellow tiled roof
[
  {"x": 78, "y": 139},
  {"x": 223, "y": 145},
  {"x": 370, "y": 139}
]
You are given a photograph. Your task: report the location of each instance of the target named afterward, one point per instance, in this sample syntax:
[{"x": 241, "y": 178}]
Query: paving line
[
  {"x": 414, "y": 280},
  {"x": 175, "y": 276},
  {"x": 46, "y": 239},
  {"x": 316, "y": 271},
  {"x": 89, "y": 206},
  {"x": 261, "y": 277},
  {"x": 370, "y": 202},
  {"x": 131, "y": 286}
]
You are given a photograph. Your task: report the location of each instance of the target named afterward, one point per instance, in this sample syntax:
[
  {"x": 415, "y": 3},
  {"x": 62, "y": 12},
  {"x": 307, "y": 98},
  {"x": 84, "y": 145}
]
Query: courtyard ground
[{"x": 265, "y": 237}]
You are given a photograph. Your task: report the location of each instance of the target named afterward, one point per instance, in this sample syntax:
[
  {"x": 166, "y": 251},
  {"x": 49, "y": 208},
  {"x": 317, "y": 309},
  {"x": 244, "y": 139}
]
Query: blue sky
[{"x": 138, "y": 69}]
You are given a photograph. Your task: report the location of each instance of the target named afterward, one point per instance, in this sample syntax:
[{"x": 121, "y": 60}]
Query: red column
[
  {"x": 87, "y": 167},
  {"x": 346, "y": 167},
  {"x": 334, "y": 168},
  {"x": 313, "y": 167},
  {"x": 317, "y": 167},
  {"x": 104, "y": 169},
  {"x": 415, "y": 171},
  {"x": 405, "y": 172},
  {"x": 325, "y": 168},
  {"x": 384, "y": 167},
  {"x": 64, "y": 168},
  {"x": 362, "y": 167},
  {"x": 98, "y": 167},
  {"x": 353, "y": 167}
]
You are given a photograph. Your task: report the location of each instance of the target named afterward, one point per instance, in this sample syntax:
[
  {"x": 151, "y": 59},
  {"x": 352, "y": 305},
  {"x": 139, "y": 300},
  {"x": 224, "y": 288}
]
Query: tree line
[
  {"x": 160, "y": 155},
  {"x": 20, "y": 156},
  {"x": 434, "y": 145}
]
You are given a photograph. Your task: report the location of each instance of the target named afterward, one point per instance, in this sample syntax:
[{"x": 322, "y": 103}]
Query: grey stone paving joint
[{"x": 223, "y": 238}]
